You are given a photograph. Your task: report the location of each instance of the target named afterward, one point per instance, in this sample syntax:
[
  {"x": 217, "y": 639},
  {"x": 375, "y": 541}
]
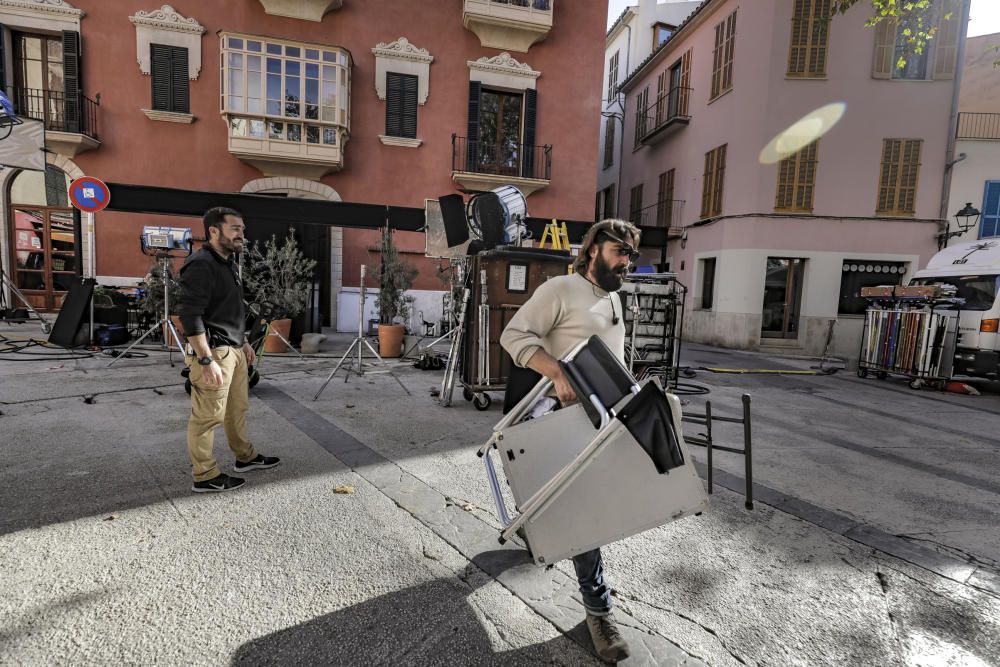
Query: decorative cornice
[
  {"x": 402, "y": 49},
  {"x": 400, "y": 141},
  {"x": 505, "y": 64},
  {"x": 58, "y": 7},
  {"x": 166, "y": 18}
]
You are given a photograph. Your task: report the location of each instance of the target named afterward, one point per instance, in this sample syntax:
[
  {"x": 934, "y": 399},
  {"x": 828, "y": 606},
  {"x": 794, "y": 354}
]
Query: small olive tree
[{"x": 278, "y": 275}]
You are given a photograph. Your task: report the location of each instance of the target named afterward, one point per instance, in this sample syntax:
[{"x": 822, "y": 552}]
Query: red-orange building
[{"x": 378, "y": 102}]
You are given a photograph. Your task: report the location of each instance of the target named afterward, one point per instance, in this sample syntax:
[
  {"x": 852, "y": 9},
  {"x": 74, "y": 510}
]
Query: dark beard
[{"x": 607, "y": 278}]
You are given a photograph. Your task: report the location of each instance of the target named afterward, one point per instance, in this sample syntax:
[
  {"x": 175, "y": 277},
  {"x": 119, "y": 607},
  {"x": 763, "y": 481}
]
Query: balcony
[
  {"x": 664, "y": 116},
  {"x": 979, "y": 126},
  {"x": 70, "y": 121},
  {"x": 286, "y": 104},
  {"x": 508, "y": 25},
  {"x": 307, "y": 10},
  {"x": 478, "y": 166},
  {"x": 665, "y": 214}
]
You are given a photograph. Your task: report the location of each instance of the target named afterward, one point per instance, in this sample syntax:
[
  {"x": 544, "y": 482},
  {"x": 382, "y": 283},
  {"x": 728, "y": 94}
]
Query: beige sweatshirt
[{"x": 562, "y": 312}]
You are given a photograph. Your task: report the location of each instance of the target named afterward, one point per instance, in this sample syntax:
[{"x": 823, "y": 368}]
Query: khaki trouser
[{"x": 211, "y": 406}]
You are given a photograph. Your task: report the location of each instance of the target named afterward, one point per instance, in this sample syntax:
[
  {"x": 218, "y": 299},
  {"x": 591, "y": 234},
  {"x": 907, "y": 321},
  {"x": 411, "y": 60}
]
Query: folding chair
[{"x": 598, "y": 471}]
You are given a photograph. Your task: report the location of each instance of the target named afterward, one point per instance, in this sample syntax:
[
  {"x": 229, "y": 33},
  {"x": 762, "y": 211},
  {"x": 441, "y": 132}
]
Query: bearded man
[{"x": 563, "y": 312}]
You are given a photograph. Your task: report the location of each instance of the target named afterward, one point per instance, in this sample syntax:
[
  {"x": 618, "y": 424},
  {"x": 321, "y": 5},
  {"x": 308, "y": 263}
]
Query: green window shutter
[{"x": 71, "y": 78}]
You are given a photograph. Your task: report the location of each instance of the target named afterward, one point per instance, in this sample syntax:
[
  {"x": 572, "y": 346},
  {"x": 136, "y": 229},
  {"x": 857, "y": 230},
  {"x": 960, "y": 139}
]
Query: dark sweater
[{"x": 211, "y": 298}]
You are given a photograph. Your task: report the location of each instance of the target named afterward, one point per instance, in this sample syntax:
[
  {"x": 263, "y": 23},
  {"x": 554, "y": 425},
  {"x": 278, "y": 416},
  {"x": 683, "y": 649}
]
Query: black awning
[{"x": 263, "y": 208}]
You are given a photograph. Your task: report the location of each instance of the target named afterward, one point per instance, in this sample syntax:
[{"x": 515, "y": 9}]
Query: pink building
[{"x": 772, "y": 253}]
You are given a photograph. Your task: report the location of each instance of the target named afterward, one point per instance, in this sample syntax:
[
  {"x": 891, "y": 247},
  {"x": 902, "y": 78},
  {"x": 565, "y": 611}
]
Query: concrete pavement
[{"x": 109, "y": 557}]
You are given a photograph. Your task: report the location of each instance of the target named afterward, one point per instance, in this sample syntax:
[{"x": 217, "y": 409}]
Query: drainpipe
[
  {"x": 621, "y": 148},
  {"x": 953, "y": 117}
]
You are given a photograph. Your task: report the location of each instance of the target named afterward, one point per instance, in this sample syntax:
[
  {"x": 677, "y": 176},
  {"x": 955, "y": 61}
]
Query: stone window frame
[
  {"x": 402, "y": 57},
  {"x": 168, "y": 27}
]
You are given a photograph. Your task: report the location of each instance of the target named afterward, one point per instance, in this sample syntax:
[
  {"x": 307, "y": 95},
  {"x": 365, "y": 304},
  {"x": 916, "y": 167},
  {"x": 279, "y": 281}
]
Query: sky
[{"x": 984, "y": 19}]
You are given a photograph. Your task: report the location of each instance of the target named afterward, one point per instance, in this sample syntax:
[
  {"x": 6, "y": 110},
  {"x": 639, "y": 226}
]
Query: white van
[{"x": 973, "y": 268}]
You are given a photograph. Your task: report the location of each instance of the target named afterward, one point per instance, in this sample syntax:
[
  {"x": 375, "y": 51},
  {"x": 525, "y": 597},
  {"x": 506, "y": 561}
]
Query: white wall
[
  {"x": 968, "y": 180},
  {"x": 428, "y": 301}
]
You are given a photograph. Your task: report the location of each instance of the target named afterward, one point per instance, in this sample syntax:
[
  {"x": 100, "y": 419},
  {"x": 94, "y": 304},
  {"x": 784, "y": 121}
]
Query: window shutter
[
  {"x": 720, "y": 174},
  {"x": 179, "y": 81},
  {"x": 662, "y": 89},
  {"x": 885, "y": 49},
  {"x": 799, "y": 44},
  {"x": 946, "y": 41},
  {"x": 727, "y": 70},
  {"x": 71, "y": 79},
  {"x": 819, "y": 37},
  {"x": 706, "y": 184},
  {"x": 410, "y": 106},
  {"x": 990, "y": 225},
  {"x": 609, "y": 142},
  {"x": 685, "y": 91},
  {"x": 393, "y": 105},
  {"x": 717, "y": 55},
  {"x": 472, "y": 131},
  {"x": 528, "y": 150},
  {"x": 908, "y": 176},
  {"x": 160, "y": 73}
]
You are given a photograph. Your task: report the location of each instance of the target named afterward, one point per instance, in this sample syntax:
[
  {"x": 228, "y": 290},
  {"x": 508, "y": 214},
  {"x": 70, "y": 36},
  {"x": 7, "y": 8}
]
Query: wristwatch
[{"x": 205, "y": 361}]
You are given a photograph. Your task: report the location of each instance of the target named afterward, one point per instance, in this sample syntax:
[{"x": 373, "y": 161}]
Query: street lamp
[{"x": 967, "y": 218}]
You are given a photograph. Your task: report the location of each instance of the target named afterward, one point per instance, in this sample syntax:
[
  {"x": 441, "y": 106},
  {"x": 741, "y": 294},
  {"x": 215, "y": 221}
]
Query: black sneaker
[
  {"x": 259, "y": 463},
  {"x": 218, "y": 484}
]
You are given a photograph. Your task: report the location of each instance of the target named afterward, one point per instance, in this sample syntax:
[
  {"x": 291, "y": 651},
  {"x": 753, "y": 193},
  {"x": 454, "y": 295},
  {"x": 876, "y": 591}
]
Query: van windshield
[{"x": 979, "y": 292}]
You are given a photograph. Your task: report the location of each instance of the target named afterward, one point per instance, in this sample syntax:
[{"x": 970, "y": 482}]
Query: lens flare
[{"x": 803, "y": 132}]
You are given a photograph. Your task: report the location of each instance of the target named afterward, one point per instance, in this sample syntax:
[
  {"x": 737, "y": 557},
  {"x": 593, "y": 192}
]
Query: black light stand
[
  {"x": 164, "y": 255},
  {"x": 6, "y": 283}
]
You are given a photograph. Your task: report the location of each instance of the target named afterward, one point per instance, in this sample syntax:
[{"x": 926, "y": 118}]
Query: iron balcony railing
[
  {"x": 501, "y": 158},
  {"x": 60, "y": 111},
  {"x": 665, "y": 213},
  {"x": 985, "y": 126},
  {"x": 668, "y": 108}
]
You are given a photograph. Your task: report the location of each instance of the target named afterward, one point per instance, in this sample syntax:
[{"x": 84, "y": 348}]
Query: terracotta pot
[
  {"x": 273, "y": 344},
  {"x": 390, "y": 340}
]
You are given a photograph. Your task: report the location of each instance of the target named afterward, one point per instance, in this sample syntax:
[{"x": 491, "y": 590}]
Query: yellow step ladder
[{"x": 556, "y": 234}]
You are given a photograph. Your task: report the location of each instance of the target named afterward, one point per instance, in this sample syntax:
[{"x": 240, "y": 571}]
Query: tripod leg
[
  {"x": 177, "y": 339},
  {"x": 288, "y": 343},
  {"x": 142, "y": 338},
  {"x": 335, "y": 369},
  {"x": 372, "y": 349}
]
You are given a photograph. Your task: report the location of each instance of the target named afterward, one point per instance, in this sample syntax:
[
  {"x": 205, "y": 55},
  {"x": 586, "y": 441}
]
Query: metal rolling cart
[
  {"x": 500, "y": 281},
  {"x": 654, "y": 318},
  {"x": 911, "y": 332}
]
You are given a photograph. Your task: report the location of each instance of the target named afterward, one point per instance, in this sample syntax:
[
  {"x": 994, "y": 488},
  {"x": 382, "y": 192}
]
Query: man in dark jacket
[{"x": 214, "y": 320}]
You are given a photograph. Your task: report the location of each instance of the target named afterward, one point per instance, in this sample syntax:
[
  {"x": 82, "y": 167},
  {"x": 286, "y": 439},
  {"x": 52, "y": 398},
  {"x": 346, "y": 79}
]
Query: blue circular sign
[{"x": 89, "y": 194}]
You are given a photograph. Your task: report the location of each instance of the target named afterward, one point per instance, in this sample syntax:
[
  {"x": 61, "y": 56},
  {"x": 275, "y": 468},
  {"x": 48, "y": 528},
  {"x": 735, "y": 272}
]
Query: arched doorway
[{"x": 45, "y": 249}]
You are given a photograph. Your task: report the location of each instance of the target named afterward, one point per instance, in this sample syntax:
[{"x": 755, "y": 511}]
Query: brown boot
[{"x": 607, "y": 640}]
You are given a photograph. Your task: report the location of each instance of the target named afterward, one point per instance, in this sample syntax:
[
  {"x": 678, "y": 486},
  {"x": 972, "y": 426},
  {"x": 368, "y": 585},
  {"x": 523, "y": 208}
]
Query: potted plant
[
  {"x": 395, "y": 277},
  {"x": 277, "y": 277}
]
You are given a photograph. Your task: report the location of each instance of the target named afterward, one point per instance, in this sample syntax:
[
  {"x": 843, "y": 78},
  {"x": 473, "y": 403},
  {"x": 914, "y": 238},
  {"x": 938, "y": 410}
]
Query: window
[
  {"x": 605, "y": 203},
  {"x": 810, "y": 34},
  {"x": 661, "y": 33},
  {"x": 284, "y": 91},
  {"x": 612, "y": 78},
  {"x": 938, "y": 59},
  {"x": 665, "y": 200},
  {"x": 858, "y": 273},
  {"x": 635, "y": 204},
  {"x": 897, "y": 193},
  {"x": 169, "y": 70},
  {"x": 711, "y": 191},
  {"x": 641, "y": 101},
  {"x": 707, "y": 283},
  {"x": 401, "y": 105},
  {"x": 797, "y": 180},
  {"x": 609, "y": 142},
  {"x": 980, "y": 292},
  {"x": 722, "y": 56},
  {"x": 990, "y": 222}
]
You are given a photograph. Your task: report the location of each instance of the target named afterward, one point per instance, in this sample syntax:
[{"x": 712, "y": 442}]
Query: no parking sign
[{"x": 89, "y": 194}]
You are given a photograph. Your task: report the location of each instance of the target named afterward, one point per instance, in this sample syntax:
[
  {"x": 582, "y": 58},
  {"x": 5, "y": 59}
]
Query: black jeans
[{"x": 590, "y": 574}]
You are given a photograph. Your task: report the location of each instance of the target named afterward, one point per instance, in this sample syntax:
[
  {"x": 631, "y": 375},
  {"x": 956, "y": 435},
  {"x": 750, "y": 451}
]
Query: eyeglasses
[{"x": 626, "y": 249}]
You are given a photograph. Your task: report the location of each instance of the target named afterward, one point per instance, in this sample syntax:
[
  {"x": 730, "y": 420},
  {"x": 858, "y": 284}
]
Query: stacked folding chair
[{"x": 611, "y": 466}]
